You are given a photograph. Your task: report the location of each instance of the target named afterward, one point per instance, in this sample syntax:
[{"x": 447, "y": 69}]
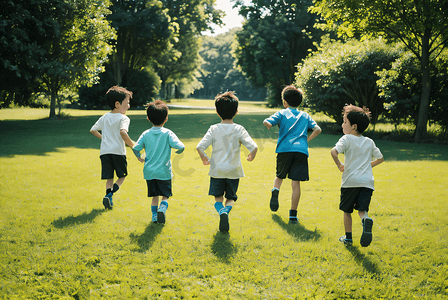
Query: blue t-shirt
[
  {"x": 293, "y": 128},
  {"x": 157, "y": 143}
]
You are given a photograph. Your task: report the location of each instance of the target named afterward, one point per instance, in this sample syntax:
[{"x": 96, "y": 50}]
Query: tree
[
  {"x": 421, "y": 25},
  {"x": 24, "y": 28},
  {"x": 345, "y": 73},
  {"x": 180, "y": 61},
  {"x": 218, "y": 71},
  {"x": 275, "y": 38},
  {"x": 75, "y": 54},
  {"x": 143, "y": 31}
]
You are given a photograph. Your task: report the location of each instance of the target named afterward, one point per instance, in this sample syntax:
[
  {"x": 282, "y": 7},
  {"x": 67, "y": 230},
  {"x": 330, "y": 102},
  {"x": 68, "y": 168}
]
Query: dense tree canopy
[
  {"x": 219, "y": 73},
  {"x": 421, "y": 25},
  {"x": 54, "y": 44},
  {"x": 276, "y": 36}
]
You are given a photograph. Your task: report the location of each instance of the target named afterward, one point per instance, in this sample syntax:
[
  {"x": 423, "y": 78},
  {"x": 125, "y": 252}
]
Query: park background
[{"x": 58, "y": 58}]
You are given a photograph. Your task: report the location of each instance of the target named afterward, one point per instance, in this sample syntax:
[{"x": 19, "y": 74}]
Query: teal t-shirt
[{"x": 157, "y": 143}]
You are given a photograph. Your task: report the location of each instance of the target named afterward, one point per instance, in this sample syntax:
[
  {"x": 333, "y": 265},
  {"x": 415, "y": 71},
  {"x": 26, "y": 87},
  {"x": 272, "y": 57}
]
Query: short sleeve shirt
[
  {"x": 226, "y": 140},
  {"x": 110, "y": 126},
  {"x": 293, "y": 129},
  {"x": 359, "y": 152}
]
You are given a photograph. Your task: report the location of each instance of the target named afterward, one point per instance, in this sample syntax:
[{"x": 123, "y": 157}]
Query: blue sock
[
  {"x": 218, "y": 206},
  {"x": 154, "y": 209},
  {"x": 228, "y": 209}
]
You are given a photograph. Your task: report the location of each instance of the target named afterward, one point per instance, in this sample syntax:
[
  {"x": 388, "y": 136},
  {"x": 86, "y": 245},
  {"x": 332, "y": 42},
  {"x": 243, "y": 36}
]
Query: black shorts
[
  {"x": 355, "y": 198},
  {"x": 111, "y": 163},
  {"x": 293, "y": 164},
  {"x": 158, "y": 187},
  {"x": 220, "y": 185}
]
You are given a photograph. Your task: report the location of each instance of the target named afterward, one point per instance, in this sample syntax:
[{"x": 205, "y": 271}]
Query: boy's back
[
  {"x": 293, "y": 128},
  {"x": 226, "y": 154},
  {"x": 110, "y": 126},
  {"x": 358, "y": 151},
  {"x": 157, "y": 143}
]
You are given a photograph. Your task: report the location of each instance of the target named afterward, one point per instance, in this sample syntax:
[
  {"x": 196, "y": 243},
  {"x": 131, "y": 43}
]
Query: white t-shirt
[
  {"x": 226, "y": 140},
  {"x": 358, "y": 152},
  {"x": 110, "y": 125}
]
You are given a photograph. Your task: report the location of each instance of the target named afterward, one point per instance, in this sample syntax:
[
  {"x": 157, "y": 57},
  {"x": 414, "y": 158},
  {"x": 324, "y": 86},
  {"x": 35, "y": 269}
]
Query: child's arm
[
  {"x": 334, "y": 154},
  {"x": 138, "y": 155},
  {"x": 251, "y": 155},
  {"x": 267, "y": 124},
  {"x": 204, "y": 157},
  {"x": 316, "y": 132},
  {"x": 376, "y": 162},
  {"x": 126, "y": 138},
  {"x": 96, "y": 133}
]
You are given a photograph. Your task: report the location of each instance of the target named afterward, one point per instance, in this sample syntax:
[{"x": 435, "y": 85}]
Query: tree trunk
[
  {"x": 53, "y": 104},
  {"x": 421, "y": 128}
]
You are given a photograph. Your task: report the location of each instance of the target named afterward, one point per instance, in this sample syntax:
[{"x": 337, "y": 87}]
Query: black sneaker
[
  {"x": 224, "y": 222},
  {"x": 293, "y": 220},
  {"x": 107, "y": 201},
  {"x": 274, "y": 200},
  {"x": 366, "y": 237}
]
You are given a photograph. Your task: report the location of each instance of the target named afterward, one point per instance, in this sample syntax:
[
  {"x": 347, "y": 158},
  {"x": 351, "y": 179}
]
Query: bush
[{"x": 344, "y": 73}]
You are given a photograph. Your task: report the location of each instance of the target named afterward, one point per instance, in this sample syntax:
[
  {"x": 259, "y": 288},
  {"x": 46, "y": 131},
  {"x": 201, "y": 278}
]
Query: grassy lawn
[{"x": 57, "y": 241}]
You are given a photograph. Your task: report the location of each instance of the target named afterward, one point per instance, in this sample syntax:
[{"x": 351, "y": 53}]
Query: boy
[
  {"x": 357, "y": 177},
  {"x": 157, "y": 143},
  {"x": 225, "y": 164},
  {"x": 114, "y": 127},
  {"x": 292, "y": 147}
]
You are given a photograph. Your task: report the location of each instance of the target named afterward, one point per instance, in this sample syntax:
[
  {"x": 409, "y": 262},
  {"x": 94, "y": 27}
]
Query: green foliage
[
  {"x": 144, "y": 84},
  {"x": 179, "y": 63},
  {"x": 275, "y": 38},
  {"x": 401, "y": 88},
  {"x": 58, "y": 242},
  {"x": 345, "y": 73},
  {"x": 421, "y": 25},
  {"x": 219, "y": 73},
  {"x": 143, "y": 30}
]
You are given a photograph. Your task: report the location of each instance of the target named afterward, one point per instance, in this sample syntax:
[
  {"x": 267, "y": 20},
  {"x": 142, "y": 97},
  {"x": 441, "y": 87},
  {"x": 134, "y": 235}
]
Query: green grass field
[{"x": 58, "y": 242}]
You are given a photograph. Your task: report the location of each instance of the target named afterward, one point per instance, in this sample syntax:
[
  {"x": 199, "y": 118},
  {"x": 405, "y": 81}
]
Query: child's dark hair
[
  {"x": 357, "y": 115},
  {"x": 117, "y": 93},
  {"x": 226, "y": 105},
  {"x": 157, "y": 112},
  {"x": 292, "y": 95}
]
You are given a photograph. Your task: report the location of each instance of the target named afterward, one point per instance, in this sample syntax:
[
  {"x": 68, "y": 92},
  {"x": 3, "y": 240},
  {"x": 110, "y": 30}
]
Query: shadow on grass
[
  {"x": 81, "y": 219},
  {"x": 362, "y": 260},
  {"x": 297, "y": 231},
  {"x": 147, "y": 238},
  {"x": 222, "y": 247}
]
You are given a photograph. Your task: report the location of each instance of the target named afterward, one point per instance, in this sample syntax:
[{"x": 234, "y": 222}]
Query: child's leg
[
  {"x": 229, "y": 204},
  {"x": 273, "y": 204},
  {"x": 219, "y": 203},
  {"x": 295, "y": 197},
  {"x": 278, "y": 183},
  {"x": 348, "y": 222},
  {"x": 162, "y": 210},
  {"x": 154, "y": 207},
  {"x": 367, "y": 224}
]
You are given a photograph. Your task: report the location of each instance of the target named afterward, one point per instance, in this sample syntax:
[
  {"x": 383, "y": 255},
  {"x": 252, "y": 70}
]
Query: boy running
[
  {"x": 357, "y": 177},
  {"x": 157, "y": 143},
  {"x": 114, "y": 127},
  {"x": 292, "y": 147},
  {"x": 225, "y": 163}
]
